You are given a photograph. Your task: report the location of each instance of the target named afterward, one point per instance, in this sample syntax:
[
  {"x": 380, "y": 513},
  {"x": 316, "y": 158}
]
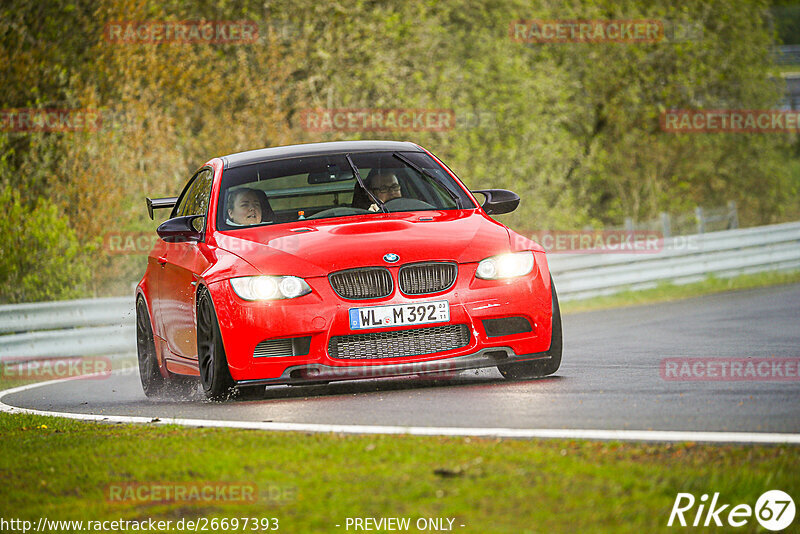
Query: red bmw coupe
[{"x": 335, "y": 261}]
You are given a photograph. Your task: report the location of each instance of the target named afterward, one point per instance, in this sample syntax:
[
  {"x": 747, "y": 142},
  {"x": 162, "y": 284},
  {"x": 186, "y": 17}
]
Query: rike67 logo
[{"x": 774, "y": 510}]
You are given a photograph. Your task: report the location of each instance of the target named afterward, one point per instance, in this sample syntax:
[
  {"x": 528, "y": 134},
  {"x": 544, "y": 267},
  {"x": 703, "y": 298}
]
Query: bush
[{"x": 40, "y": 256}]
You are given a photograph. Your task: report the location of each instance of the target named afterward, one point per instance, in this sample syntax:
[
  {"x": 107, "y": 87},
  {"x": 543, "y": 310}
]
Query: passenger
[{"x": 244, "y": 207}]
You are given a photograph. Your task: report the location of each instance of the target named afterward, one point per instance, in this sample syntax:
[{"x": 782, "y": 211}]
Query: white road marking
[{"x": 616, "y": 435}]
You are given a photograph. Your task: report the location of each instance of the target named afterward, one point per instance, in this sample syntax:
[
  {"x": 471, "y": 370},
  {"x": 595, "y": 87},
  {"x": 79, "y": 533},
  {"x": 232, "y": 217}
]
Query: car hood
[{"x": 317, "y": 247}]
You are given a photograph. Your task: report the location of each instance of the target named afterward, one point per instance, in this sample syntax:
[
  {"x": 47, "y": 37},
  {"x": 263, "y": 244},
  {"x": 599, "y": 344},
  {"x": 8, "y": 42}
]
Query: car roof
[{"x": 314, "y": 149}]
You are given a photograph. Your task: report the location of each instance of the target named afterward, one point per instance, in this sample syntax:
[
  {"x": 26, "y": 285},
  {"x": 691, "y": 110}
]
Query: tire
[
  {"x": 215, "y": 376},
  {"x": 551, "y": 360},
  {"x": 149, "y": 372}
]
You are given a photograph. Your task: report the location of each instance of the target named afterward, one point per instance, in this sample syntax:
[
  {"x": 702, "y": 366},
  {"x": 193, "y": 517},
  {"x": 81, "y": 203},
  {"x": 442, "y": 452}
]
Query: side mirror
[
  {"x": 180, "y": 229},
  {"x": 498, "y": 201}
]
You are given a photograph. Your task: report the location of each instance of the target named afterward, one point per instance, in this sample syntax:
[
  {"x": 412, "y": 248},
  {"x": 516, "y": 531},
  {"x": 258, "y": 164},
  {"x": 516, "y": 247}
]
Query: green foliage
[
  {"x": 40, "y": 253},
  {"x": 786, "y": 16},
  {"x": 573, "y": 128}
]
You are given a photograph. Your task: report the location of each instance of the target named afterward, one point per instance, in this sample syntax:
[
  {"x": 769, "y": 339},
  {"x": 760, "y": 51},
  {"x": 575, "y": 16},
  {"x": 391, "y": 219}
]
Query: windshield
[{"x": 321, "y": 187}]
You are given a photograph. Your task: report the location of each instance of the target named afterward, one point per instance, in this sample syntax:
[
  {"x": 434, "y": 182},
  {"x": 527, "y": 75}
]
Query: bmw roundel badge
[{"x": 391, "y": 257}]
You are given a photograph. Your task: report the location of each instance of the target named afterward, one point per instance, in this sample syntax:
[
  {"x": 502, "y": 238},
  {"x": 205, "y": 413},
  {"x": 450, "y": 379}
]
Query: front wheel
[
  {"x": 550, "y": 361},
  {"x": 214, "y": 373}
]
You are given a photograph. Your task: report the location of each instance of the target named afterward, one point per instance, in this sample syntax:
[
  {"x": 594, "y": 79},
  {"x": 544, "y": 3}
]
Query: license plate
[{"x": 399, "y": 315}]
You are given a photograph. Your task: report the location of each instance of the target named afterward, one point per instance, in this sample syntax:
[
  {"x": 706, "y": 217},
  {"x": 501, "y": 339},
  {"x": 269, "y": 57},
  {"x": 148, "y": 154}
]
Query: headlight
[
  {"x": 269, "y": 287},
  {"x": 505, "y": 266}
]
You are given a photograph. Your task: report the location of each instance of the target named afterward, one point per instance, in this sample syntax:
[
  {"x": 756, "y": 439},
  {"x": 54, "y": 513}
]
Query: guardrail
[
  {"x": 787, "y": 54},
  {"x": 86, "y": 327},
  {"x": 683, "y": 259},
  {"x": 106, "y": 326}
]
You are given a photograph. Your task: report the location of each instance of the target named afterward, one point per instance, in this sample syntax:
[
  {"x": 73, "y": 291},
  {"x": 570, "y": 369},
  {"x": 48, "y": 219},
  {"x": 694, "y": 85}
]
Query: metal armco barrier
[
  {"x": 86, "y": 327},
  {"x": 106, "y": 326},
  {"x": 683, "y": 259}
]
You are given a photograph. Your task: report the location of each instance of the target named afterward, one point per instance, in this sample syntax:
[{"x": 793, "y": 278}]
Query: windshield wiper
[
  {"x": 375, "y": 199},
  {"x": 422, "y": 171}
]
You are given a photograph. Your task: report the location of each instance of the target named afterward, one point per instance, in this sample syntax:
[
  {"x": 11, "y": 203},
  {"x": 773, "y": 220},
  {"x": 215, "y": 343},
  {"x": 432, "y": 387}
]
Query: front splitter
[{"x": 311, "y": 373}]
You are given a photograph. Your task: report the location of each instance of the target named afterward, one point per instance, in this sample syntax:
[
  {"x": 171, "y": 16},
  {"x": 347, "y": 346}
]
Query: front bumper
[
  {"x": 310, "y": 373},
  {"x": 322, "y": 315}
]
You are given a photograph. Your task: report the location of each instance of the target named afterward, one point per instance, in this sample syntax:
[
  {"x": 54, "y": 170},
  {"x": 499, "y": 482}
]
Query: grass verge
[
  {"x": 667, "y": 292},
  {"x": 65, "y": 470}
]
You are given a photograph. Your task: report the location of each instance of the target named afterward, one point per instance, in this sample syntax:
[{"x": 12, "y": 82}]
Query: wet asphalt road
[{"x": 610, "y": 378}]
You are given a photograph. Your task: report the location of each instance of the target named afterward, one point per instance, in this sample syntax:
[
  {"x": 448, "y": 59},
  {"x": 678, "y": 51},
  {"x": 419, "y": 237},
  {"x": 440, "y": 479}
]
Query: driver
[
  {"x": 244, "y": 207},
  {"x": 384, "y": 185}
]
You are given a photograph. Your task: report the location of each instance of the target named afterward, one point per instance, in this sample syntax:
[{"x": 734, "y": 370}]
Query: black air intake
[{"x": 399, "y": 343}]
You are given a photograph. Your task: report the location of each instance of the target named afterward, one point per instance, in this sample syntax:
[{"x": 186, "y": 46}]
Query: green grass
[
  {"x": 60, "y": 469},
  {"x": 668, "y": 292}
]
